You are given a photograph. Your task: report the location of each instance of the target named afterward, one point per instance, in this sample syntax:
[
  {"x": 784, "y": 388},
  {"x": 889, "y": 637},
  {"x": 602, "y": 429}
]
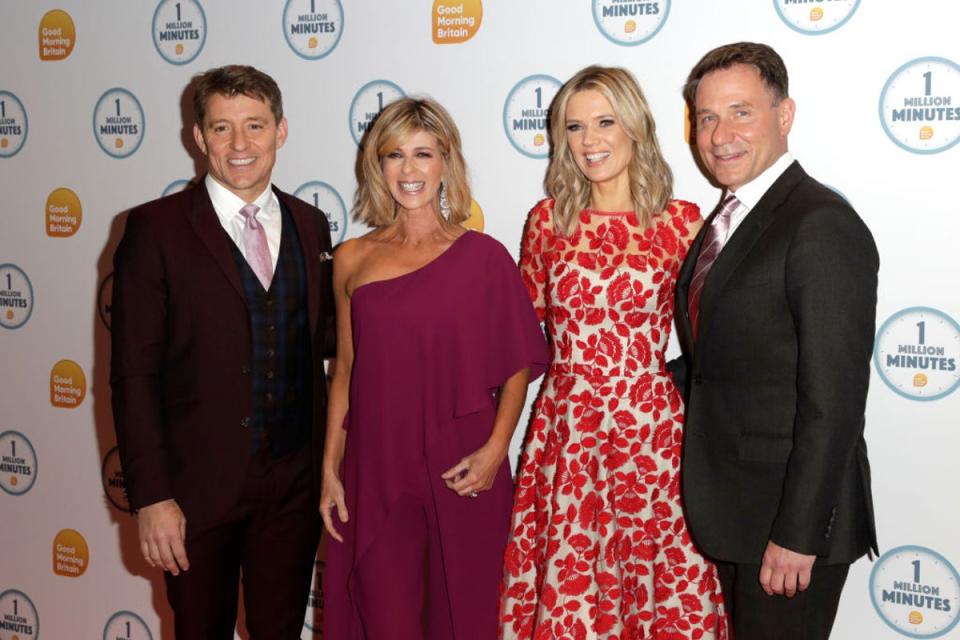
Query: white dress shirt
[
  {"x": 227, "y": 205},
  {"x": 749, "y": 194}
]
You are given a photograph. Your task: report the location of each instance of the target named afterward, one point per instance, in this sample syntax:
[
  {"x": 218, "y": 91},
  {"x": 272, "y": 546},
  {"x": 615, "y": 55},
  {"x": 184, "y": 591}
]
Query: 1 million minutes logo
[
  {"x": 915, "y": 591},
  {"x": 179, "y": 30},
  {"x": 917, "y": 353},
  {"x": 313, "y": 27},
  {"x": 367, "y": 104},
  {"x": 16, "y": 297},
  {"x": 126, "y": 625},
  {"x": 18, "y": 463},
  {"x": 819, "y": 19},
  {"x": 324, "y": 197},
  {"x": 18, "y": 615},
  {"x": 13, "y": 124},
  {"x": 118, "y": 123},
  {"x": 630, "y": 22},
  {"x": 920, "y": 105},
  {"x": 525, "y": 113}
]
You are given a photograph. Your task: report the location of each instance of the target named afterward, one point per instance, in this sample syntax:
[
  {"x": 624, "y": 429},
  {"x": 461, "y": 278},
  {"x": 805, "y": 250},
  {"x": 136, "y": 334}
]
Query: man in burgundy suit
[{"x": 222, "y": 316}]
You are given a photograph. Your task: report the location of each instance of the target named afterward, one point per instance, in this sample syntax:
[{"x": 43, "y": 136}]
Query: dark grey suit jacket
[{"x": 777, "y": 383}]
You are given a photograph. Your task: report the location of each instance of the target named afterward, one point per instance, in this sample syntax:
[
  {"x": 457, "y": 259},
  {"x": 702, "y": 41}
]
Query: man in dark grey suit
[{"x": 776, "y": 303}]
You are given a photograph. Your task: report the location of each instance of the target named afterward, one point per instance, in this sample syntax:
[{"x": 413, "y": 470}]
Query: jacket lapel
[
  {"x": 684, "y": 330},
  {"x": 307, "y": 232},
  {"x": 743, "y": 240},
  {"x": 206, "y": 224}
]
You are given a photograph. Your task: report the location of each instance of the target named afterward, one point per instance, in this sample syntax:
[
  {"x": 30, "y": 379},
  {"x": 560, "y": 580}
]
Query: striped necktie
[{"x": 716, "y": 236}]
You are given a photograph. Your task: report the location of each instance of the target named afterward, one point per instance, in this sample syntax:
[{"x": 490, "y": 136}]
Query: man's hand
[
  {"x": 163, "y": 529},
  {"x": 784, "y": 572}
]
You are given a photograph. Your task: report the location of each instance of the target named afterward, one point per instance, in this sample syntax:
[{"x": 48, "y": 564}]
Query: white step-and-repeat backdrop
[{"x": 93, "y": 120}]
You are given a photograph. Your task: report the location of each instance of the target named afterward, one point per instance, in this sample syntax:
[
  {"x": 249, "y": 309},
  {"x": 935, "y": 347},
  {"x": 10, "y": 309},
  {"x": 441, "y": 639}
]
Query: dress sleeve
[
  {"x": 533, "y": 269},
  {"x": 506, "y": 339},
  {"x": 686, "y": 221}
]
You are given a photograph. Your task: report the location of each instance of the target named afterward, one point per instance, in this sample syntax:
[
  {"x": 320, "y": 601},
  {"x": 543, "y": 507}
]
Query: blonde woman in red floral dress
[{"x": 598, "y": 546}]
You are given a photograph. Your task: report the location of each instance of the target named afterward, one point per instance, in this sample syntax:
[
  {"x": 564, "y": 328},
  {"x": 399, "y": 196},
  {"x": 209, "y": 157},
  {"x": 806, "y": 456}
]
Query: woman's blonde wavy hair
[
  {"x": 651, "y": 181},
  {"x": 373, "y": 204}
]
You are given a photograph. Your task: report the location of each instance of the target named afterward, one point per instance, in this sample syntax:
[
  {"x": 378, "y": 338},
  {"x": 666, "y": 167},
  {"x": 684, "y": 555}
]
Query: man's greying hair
[
  {"x": 233, "y": 80},
  {"x": 760, "y": 56}
]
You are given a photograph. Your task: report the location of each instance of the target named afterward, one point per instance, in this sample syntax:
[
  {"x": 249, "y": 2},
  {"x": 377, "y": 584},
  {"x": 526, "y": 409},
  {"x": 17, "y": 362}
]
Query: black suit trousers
[{"x": 808, "y": 615}]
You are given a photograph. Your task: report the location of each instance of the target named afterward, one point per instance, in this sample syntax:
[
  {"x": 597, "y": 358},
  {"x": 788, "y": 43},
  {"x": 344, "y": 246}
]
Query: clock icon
[
  {"x": 918, "y": 105},
  {"x": 313, "y": 27},
  {"x": 367, "y": 104},
  {"x": 630, "y": 24},
  {"x": 118, "y": 123},
  {"x": 13, "y": 118},
  {"x": 525, "y": 114},
  {"x": 19, "y": 612},
  {"x": 917, "y": 353},
  {"x": 19, "y": 460},
  {"x": 324, "y": 197},
  {"x": 915, "y": 591},
  {"x": 817, "y": 20}
]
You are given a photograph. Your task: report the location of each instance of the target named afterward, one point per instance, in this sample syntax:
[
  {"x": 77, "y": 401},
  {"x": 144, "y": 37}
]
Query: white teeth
[
  {"x": 411, "y": 186},
  {"x": 593, "y": 157},
  {"x": 241, "y": 161}
]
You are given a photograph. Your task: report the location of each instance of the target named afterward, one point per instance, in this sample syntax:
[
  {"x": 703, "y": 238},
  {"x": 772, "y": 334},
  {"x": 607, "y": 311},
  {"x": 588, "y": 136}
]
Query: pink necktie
[
  {"x": 713, "y": 242},
  {"x": 255, "y": 247}
]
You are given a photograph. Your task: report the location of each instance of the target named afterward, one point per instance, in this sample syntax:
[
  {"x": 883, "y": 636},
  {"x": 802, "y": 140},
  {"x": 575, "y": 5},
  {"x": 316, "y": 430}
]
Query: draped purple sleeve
[{"x": 503, "y": 336}]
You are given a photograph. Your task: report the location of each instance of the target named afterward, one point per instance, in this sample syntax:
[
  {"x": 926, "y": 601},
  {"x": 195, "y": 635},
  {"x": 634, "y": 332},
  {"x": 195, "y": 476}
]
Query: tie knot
[
  {"x": 250, "y": 211},
  {"x": 728, "y": 206}
]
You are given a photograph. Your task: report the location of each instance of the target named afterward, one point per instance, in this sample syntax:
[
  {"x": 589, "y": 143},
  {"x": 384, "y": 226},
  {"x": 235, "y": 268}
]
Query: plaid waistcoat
[{"x": 282, "y": 363}]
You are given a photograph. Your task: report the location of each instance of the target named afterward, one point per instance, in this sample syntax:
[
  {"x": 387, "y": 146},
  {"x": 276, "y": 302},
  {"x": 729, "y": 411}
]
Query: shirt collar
[
  {"x": 749, "y": 194},
  {"x": 227, "y": 204}
]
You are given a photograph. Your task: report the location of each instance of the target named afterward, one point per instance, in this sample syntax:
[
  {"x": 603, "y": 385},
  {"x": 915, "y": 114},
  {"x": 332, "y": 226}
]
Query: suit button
[
  {"x": 270, "y": 375},
  {"x": 245, "y": 421},
  {"x": 270, "y": 302},
  {"x": 271, "y": 353},
  {"x": 269, "y": 397},
  {"x": 271, "y": 328},
  {"x": 245, "y": 369}
]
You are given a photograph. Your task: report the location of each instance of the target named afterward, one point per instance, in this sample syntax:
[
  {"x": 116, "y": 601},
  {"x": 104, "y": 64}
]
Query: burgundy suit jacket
[{"x": 182, "y": 351}]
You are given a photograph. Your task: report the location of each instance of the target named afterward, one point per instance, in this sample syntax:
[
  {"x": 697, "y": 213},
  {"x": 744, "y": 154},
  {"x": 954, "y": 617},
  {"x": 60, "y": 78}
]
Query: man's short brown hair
[
  {"x": 760, "y": 56},
  {"x": 233, "y": 80}
]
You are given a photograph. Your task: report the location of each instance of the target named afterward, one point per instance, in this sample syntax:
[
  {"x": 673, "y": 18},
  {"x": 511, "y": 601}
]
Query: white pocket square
[{"x": 325, "y": 255}]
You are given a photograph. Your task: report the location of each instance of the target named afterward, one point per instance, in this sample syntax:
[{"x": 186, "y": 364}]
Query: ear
[
  {"x": 281, "y": 132},
  {"x": 785, "y": 112},
  {"x": 198, "y": 138}
]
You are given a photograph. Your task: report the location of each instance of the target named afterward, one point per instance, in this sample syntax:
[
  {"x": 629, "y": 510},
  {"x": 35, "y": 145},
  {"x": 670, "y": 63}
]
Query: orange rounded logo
[
  {"x": 926, "y": 132},
  {"x": 56, "y": 35},
  {"x": 68, "y": 385},
  {"x": 63, "y": 213},
  {"x": 455, "y": 21},
  {"x": 920, "y": 380},
  {"x": 71, "y": 556},
  {"x": 816, "y": 14},
  {"x": 915, "y": 617},
  {"x": 475, "y": 221}
]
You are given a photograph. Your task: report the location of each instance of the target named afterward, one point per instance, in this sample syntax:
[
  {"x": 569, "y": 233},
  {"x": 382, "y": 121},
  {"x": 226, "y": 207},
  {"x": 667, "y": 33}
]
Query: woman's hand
[
  {"x": 476, "y": 472},
  {"x": 331, "y": 495}
]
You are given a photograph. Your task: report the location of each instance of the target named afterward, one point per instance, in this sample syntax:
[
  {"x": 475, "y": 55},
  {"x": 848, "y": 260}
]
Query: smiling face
[
  {"x": 741, "y": 129},
  {"x": 240, "y": 138},
  {"x": 413, "y": 170},
  {"x": 599, "y": 144}
]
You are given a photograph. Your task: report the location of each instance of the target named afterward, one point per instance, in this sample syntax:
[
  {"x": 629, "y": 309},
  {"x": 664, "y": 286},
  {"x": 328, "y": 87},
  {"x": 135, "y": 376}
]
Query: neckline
[
  {"x": 419, "y": 269},
  {"x": 595, "y": 212}
]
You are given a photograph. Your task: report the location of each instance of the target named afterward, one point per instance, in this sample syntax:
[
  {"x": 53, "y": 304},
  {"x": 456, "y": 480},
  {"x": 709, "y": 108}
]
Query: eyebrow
[{"x": 599, "y": 117}]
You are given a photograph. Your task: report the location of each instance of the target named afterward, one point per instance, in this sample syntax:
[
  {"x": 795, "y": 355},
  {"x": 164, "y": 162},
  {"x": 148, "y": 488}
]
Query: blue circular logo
[
  {"x": 175, "y": 187},
  {"x": 919, "y": 105},
  {"x": 118, "y": 123},
  {"x": 179, "y": 30},
  {"x": 915, "y": 591},
  {"x": 126, "y": 625},
  {"x": 630, "y": 22},
  {"x": 18, "y": 463},
  {"x": 313, "y": 28},
  {"x": 526, "y": 114},
  {"x": 367, "y": 104},
  {"x": 19, "y": 615},
  {"x": 324, "y": 197},
  {"x": 13, "y": 125},
  {"x": 16, "y": 297},
  {"x": 917, "y": 352},
  {"x": 816, "y": 20},
  {"x": 114, "y": 486}
]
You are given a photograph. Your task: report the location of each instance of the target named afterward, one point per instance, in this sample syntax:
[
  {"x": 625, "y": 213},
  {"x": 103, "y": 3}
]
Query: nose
[
  {"x": 722, "y": 133},
  {"x": 238, "y": 141},
  {"x": 589, "y": 136},
  {"x": 407, "y": 166}
]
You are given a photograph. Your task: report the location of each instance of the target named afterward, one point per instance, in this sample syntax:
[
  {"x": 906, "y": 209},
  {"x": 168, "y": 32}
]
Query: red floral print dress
[{"x": 598, "y": 544}]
